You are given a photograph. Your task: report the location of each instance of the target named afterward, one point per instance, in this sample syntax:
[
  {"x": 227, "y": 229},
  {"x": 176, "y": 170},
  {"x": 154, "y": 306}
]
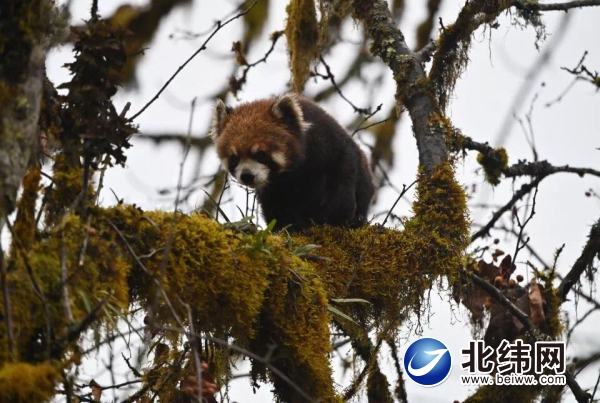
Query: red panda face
[
  {"x": 257, "y": 140},
  {"x": 253, "y": 169}
]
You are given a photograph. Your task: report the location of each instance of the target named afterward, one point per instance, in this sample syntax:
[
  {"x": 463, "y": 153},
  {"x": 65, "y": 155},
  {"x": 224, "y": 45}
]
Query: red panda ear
[
  {"x": 287, "y": 108},
  {"x": 220, "y": 112}
]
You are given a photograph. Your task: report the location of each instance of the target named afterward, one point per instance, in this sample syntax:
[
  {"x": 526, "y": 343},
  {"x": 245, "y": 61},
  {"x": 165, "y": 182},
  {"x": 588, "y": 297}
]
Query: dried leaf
[
  {"x": 96, "y": 390},
  {"x": 536, "y": 304}
]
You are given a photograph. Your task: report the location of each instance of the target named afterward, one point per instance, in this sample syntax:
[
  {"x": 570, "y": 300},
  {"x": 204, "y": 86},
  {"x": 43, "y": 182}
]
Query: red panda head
[{"x": 257, "y": 140}]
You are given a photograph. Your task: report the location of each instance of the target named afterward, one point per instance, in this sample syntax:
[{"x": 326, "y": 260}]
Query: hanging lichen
[
  {"x": 302, "y": 33},
  {"x": 493, "y": 163},
  {"x": 23, "y": 383},
  {"x": 452, "y": 55}
]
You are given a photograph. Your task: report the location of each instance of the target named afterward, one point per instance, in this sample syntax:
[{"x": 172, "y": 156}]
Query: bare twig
[
  {"x": 220, "y": 25},
  {"x": 331, "y": 77},
  {"x": 520, "y": 244},
  {"x": 497, "y": 295},
  {"x": 531, "y": 78},
  {"x": 247, "y": 353},
  {"x": 369, "y": 116},
  {"x": 525, "y": 189},
  {"x": 581, "y": 395},
  {"x": 183, "y": 139},
  {"x": 36, "y": 287},
  {"x": 194, "y": 344},
  {"x": 404, "y": 190},
  {"x": 544, "y": 168},
  {"x": 237, "y": 83}
]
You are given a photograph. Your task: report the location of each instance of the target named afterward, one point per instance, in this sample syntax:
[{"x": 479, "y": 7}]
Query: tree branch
[
  {"x": 544, "y": 168},
  {"x": 389, "y": 45},
  {"x": 556, "y": 6},
  {"x": 581, "y": 395},
  {"x": 200, "y": 49},
  {"x": 583, "y": 263},
  {"x": 526, "y": 188}
]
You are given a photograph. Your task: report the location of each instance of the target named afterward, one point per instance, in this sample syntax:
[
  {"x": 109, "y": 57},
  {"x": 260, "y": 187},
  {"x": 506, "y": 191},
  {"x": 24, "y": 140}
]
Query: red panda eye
[
  {"x": 233, "y": 161},
  {"x": 261, "y": 156}
]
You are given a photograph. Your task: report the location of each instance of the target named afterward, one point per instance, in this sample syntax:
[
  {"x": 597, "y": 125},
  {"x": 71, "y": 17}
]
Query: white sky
[{"x": 567, "y": 133}]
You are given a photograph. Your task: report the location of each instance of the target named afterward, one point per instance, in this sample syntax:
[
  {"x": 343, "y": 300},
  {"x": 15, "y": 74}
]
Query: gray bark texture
[
  {"x": 19, "y": 131},
  {"x": 389, "y": 45},
  {"x": 28, "y": 28}
]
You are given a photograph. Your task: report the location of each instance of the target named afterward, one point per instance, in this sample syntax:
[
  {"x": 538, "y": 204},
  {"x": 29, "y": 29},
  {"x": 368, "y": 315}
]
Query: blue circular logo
[{"x": 428, "y": 362}]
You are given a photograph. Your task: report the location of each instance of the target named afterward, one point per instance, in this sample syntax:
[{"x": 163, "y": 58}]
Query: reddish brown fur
[
  {"x": 325, "y": 178},
  {"x": 253, "y": 124}
]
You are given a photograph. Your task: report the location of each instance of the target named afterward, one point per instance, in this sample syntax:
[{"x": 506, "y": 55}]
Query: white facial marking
[
  {"x": 279, "y": 158},
  {"x": 260, "y": 172},
  {"x": 233, "y": 150},
  {"x": 254, "y": 148}
]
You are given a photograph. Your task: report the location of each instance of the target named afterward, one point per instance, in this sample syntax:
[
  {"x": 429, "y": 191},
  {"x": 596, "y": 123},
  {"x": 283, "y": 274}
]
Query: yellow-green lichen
[
  {"x": 25, "y": 225},
  {"x": 392, "y": 269},
  {"x": 254, "y": 291},
  {"x": 24, "y": 383},
  {"x": 302, "y": 33},
  {"x": 296, "y": 320},
  {"x": 102, "y": 273},
  {"x": 493, "y": 163},
  {"x": 452, "y": 54}
]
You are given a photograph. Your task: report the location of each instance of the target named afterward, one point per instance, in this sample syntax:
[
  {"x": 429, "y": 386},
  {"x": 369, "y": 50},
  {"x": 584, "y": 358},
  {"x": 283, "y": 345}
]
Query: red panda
[{"x": 305, "y": 167}]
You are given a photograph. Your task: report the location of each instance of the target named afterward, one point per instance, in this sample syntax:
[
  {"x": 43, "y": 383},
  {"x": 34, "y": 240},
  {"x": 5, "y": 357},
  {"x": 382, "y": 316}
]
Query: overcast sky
[{"x": 566, "y": 133}]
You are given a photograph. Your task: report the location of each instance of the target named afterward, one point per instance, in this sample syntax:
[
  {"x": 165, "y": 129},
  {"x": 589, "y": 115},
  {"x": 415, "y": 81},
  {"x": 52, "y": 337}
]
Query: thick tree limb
[
  {"x": 18, "y": 129},
  {"x": 389, "y": 45}
]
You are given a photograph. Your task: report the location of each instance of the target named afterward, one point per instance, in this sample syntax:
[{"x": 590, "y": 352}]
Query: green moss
[
  {"x": 438, "y": 234},
  {"x": 493, "y": 163},
  {"x": 296, "y": 319},
  {"x": 25, "y": 225},
  {"x": 23, "y": 383},
  {"x": 262, "y": 295},
  {"x": 67, "y": 183},
  {"x": 103, "y": 272},
  {"x": 389, "y": 268},
  {"x": 215, "y": 268},
  {"x": 250, "y": 289}
]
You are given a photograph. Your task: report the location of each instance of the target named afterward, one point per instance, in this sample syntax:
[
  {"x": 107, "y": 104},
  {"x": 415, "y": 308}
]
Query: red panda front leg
[{"x": 339, "y": 206}]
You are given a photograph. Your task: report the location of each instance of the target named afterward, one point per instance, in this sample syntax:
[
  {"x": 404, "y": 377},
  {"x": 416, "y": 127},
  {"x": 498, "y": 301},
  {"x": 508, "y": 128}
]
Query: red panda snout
[{"x": 251, "y": 173}]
